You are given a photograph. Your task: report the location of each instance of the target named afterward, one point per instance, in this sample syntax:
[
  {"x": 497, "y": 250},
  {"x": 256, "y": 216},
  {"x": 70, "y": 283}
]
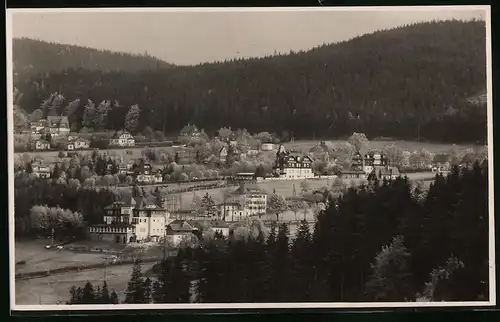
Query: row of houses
[
  {"x": 141, "y": 219},
  {"x": 74, "y": 142}
]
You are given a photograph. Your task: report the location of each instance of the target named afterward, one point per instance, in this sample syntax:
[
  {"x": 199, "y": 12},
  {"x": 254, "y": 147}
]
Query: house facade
[
  {"x": 81, "y": 144},
  {"x": 58, "y": 125},
  {"x": 232, "y": 211},
  {"x": 176, "y": 230},
  {"x": 42, "y": 145},
  {"x": 380, "y": 173},
  {"x": 366, "y": 162},
  {"x": 267, "y": 147},
  {"x": 223, "y": 154},
  {"x": 41, "y": 170},
  {"x": 291, "y": 166},
  {"x": 189, "y": 132},
  {"x": 251, "y": 199},
  {"x": 122, "y": 139},
  {"x": 119, "y": 233},
  {"x": 38, "y": 126},
  {"x": 145, "y": 219},
  {"x": 144, "y": 174}
]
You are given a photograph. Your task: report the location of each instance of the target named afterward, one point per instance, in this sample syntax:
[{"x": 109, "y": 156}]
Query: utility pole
[{"x": 52, "y": 236}]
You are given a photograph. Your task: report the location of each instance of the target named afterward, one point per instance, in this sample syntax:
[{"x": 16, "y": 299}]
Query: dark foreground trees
[{"x": 376, "y": 243}]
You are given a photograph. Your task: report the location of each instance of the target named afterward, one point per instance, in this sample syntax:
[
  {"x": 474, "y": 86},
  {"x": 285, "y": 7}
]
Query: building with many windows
[
  {"x": 292, "y": 166},
  {"x": 122, "y": 139},
  {"x": 145, "y": 219}
]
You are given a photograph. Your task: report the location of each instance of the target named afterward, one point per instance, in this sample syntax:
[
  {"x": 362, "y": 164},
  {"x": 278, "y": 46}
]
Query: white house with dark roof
[
  {"x": 122, "y": 139},
  {"x": 40, "y": 170},
  {"x": 58, "y": 125},
  {"x": 441, "y": 162},
  {"x": 383, "y": 172},
  {"x": 81, "y": 143},
  {"x": 292, "y": 165},
  {"x": 252, "y": 200},
  {"x": 176, "y": 230},
  {"x": 42, "y": 145}
]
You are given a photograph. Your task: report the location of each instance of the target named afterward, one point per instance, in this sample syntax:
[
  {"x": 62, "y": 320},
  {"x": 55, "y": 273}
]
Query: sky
[{"x": 192, "y": 37}]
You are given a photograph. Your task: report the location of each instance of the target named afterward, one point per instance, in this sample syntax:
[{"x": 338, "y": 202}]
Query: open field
[
  {"x": 136, "y": 152},
  {"x": 38, "y": 258},
  {"x": 285, "y": 187},
  {"x": 405, "y": 145},
  {"x": 303, "y": 145},
  {"x": 51, "y": 289}
]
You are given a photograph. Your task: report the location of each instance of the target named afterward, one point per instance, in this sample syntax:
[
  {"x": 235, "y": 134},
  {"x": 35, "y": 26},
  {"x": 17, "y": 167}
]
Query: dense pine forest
[
  {"x": 390, "y": 242},
  {"x": 415, "y": 81},
  {"x": 32, "y": 57}
]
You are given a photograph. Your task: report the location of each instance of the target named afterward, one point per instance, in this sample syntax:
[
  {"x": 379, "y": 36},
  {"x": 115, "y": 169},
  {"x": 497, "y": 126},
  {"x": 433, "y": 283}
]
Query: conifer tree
[
  {"x": 132, "y": 119},
  {"x": 138, "y": 289},
  {"x": 390, "y": 280},
  {"x": 88, "y": 294}
]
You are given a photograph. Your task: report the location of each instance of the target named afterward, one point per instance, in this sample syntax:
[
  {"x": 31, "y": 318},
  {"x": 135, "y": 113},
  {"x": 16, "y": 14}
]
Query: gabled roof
[
  {"x": 57, "y": 119},
  {"x": 385, "y": 171},
  {"x": 189, "y": 129},
  {"x": 297, "y": 157},
  {"x": 469, "y": 158},
  {"x": 42, "y": 141},
  {"x": 442, "y": 158},
  {"x": 117, "y": 134}
]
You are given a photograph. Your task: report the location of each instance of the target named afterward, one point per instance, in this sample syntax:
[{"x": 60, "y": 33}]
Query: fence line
[{"x": 49, "y": 272}]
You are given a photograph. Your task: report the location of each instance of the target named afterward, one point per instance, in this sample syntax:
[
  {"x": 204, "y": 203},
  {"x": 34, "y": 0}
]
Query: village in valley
[{"x": 225, "y": 180}]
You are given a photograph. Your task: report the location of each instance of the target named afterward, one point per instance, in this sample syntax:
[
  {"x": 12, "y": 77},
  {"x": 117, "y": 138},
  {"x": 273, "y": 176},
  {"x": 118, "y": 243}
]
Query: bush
[{"x": 61, "y": 154}]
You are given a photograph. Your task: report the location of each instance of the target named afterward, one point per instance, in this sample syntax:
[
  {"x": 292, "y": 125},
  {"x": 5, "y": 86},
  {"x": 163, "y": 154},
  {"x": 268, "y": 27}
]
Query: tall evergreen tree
[
  {"x": 138, "y": 289},
  {"x": 390, "y": 279}
]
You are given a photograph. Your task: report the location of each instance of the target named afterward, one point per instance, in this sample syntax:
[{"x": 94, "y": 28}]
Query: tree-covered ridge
[
  {"x": 32, "y": 57},
  {"x": 409, "y": 82}
]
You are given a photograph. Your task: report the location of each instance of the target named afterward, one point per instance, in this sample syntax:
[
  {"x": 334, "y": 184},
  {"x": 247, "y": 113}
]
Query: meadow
[
  {"x": 379, "y": 144},
  {"x": 55, "y": 289},
  {"x": 37, "y": 258},
  {"x": 303, "y": 145}
]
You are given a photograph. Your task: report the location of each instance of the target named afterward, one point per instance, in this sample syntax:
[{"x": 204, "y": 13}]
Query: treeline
[
  {"x": 387, "y": 242},
  {"x": 30, "y": 193},
  {"x": 409, "y": 82},
  {"x": 32, "y": 57}
]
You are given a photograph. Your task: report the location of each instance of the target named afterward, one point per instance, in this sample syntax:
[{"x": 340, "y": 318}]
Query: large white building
[
  {"x": 138, "y": 219},
  {"x": 247, "y": 200},
  {"x": 292, "y": 166}
]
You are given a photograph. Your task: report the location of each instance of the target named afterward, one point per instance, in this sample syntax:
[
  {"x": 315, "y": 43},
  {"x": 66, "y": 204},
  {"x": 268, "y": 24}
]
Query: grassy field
[
  {"x": 38, "y": 258},
  {"x": 50, "y": 290},
  {"x": 284, "y": 187},
  {"x": 303, "y": 145},
  {"x": 405, "y": 145}
]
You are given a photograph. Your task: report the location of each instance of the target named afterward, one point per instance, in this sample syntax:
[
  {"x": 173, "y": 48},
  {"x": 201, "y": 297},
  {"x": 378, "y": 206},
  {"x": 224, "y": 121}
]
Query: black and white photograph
[{"x": 327, "y": 157}]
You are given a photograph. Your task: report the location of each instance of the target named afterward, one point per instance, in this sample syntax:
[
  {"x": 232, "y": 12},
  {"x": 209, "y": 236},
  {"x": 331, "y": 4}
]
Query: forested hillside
[
  {"x": 409, "y": 82},
  {"x": 32, "y": 57}
]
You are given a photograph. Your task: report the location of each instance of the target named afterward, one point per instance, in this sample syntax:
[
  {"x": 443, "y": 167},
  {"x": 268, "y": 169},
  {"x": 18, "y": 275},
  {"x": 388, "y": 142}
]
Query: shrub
[{"x": 61, "y": 154}]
